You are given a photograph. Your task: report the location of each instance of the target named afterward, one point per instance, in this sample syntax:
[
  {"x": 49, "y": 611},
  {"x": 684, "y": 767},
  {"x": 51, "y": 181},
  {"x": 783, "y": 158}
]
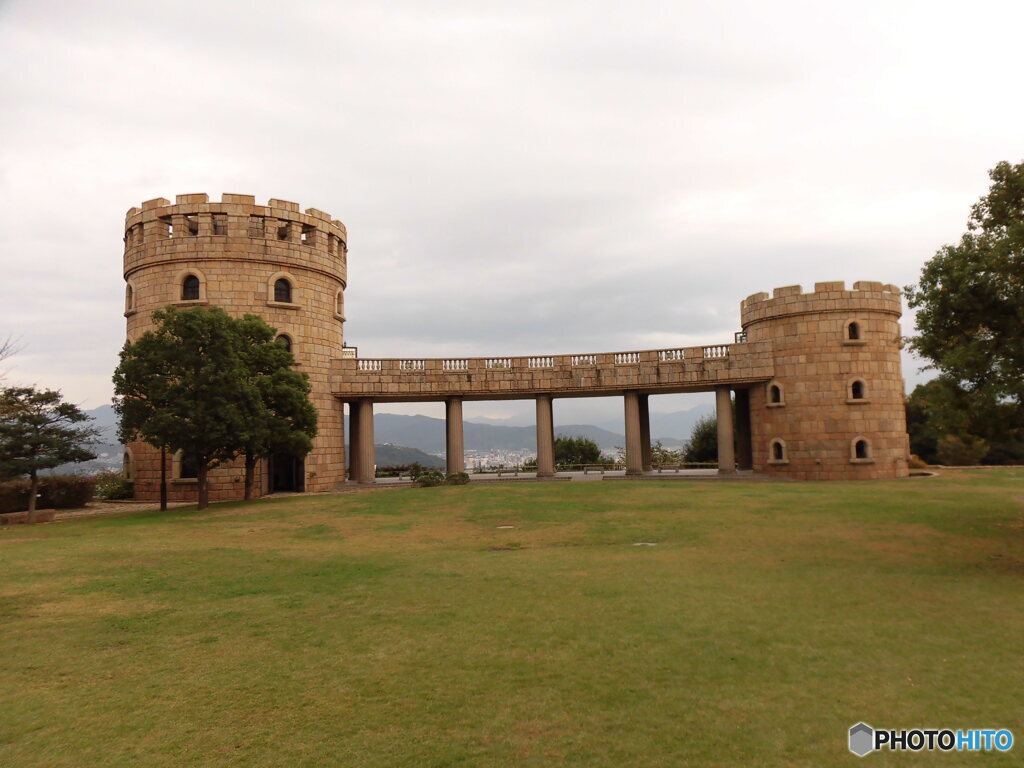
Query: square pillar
[
  {"x": 545, "y": 437},
  {"x": 634, "y": 451},
  {"x": 353, "y": 443},
  {"x": 723, "y": 412},
  {"x": 454, "y": 449},
  {"x": 744, "y": 441},
  {"x": 645, "y": 434}
]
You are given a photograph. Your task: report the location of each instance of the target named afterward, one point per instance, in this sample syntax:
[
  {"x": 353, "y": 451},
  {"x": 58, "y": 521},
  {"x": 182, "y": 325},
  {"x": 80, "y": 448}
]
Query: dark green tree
[
  {"x": 38, "y": 430},
  {"x": 284, "y": 420},
  {"x": 186, "y": 386},
  {"x": 576, "y": 450},
  {"x": 970, "y": 313},
  {"x": 703, "y": 444}
]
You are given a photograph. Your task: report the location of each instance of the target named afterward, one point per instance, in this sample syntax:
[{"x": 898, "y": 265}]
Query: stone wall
[
  {"x": 832, "y": 390},
  {"x": 238, "y": 250}
]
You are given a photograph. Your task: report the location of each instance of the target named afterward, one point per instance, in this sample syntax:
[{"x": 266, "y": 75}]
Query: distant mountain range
[{"x": 403, "y": 439}]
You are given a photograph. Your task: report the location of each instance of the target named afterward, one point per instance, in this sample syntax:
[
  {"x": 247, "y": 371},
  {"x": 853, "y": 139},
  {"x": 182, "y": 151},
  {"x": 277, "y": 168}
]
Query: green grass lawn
[{"x": 409, "y": 628}]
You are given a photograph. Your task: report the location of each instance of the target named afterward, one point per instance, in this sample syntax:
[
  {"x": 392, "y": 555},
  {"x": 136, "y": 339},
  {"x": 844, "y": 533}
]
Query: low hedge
[{"x": 55, "y": 492}]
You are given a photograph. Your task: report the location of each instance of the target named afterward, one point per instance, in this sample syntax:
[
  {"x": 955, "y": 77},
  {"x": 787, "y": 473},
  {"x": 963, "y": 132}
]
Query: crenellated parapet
[
  {"x": 790, "y": 301},
  {"x": 234, "y": 227}
]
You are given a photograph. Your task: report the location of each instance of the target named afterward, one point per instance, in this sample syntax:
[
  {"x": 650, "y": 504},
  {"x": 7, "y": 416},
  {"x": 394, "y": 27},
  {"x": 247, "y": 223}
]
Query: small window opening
[
  {"x": 775, "y": 393},
  {"x": 308, "y": 234},
  {"x": 778, "y": 452},
  {"x": 129, "y": 297},
  {"x": 857, "y": 390},
  {"x": 257, "y": 226},
  {"x": 284, "y": 231},
  {"x": 188, "y": 467},
  {"x": 165, "y": 222},
  {"x": 861, "y": 449},
  {"x": 332, "y": 245},
  {"x": 193, "y": 224},
  {"x": 282, "y": 291},
  {"x": 220, "y": 223},
  {"x": 126, "y": 465},
  {"x": 853, "y": 332},
  {"x": 284, "y": 341},
  {"x": 190, "y": 288},
  {"x": 339, "y": 304}
]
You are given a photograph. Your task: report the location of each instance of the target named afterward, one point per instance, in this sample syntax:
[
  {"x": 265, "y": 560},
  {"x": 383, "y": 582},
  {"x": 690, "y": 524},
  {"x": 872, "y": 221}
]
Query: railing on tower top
[{"x": 682, "y": 355}]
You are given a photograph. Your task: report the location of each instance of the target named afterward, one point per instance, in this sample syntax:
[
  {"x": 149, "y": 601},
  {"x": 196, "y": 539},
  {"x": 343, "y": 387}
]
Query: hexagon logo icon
[{"x": 862, "y": 739}]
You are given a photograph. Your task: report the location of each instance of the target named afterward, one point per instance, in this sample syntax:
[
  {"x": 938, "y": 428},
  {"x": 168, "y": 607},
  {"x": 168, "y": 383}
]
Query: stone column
[
  {"x": 645, "y": 434},
  {"x": 367, "y": 456},
  {"x": 726, "y": 452},
  {"x": 545, "y": 437},
  {"x": 353, "y": 443},
  {"x": 634, "y": 451},
  {"x": 454, "y": 448},
  {"x": 744, "y": 442}
]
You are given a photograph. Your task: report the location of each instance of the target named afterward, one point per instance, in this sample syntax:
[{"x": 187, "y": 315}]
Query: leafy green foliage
[
  {"x": 212, "y": 387},
  {"x": 970, "y": 313},
  {"x": 113, "y": 486},
  {"x": 571, "y": 451},
  {"x": 456, "y": 478},
  {"x": 430, "y": 478},
  {"x": 703, "y": 443},
  {"x": 660, "y": 455},
  {"x": 54, "y": 492},
  {"x": 38, "y": 431}
]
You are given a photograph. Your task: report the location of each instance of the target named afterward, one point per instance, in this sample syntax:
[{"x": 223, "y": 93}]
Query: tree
[
  {"x": 38, "y": 430},
  {"x": 662, "y": 455},
  {"x": 185, "y": 386},
  {"x": 284, "y": 421},
  {"x": 703, "y": 444},
  {"x": 970, "y": 312},
  {"x": 576, "y": 450}
]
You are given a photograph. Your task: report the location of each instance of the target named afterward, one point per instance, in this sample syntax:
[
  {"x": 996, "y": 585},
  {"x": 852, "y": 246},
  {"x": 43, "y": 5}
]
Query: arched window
[
  {"x": 777, "y": 452},
  {"x": 339, "y": 304},
  {"x": 861, "y": 450},
  {"x": 129, "y": 298},
  {"x": 853, "y": 331},
  {"x": 282, "y": 291},
  {"x": 285, "y": 341},
  {"x": 775, "y": 393},
  {"x": 126, "y": 465},
  {"x": 188, "y": 467},
  {"x": 857, "y": 390},
  {"x": 190, "y": 288}
]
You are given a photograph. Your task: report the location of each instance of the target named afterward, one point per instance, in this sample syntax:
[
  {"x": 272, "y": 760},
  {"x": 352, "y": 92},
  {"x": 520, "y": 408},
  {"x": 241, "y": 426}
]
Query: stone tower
[
  {"x": 834, "y": 409},
  {"x": 275, "y": 261}
]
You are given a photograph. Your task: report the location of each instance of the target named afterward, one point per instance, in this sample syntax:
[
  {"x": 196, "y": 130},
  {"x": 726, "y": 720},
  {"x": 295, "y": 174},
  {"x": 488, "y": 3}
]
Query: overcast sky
[{"x": 516, "y": 178}]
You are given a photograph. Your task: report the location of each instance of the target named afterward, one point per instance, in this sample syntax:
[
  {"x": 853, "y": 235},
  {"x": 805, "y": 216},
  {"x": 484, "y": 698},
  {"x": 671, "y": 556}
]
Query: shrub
[
  {"x": 66, "y": 491},
  {"x": 113, "y": 486},
  {"x": 962, "y": 451},
  {"x": 14, "y": 496},
  {"x": 415, "y": 470},
  {"x": 55, "y": 492},
  {"x": 456, "y": 478},
  {"x": 428, "y": 478}
]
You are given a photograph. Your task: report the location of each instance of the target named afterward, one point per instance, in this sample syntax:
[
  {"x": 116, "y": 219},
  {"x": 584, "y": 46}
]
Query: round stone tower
[
  {"x": 834, "y": 410},
  {"x": 273, "y": 260}
]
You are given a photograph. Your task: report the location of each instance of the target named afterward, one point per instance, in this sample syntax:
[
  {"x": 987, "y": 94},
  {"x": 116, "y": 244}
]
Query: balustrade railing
[{"x": 679, "y": 356}]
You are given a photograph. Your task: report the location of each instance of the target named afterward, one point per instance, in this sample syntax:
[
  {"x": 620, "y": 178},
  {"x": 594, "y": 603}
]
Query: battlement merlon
[
  {"x": 234, "y": 206},
  {"x": 865, "y": 296}
]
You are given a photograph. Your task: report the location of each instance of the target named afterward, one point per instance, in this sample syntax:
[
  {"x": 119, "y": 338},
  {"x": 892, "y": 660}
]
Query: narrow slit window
[
  {"x": 778, "y": 451},
  {"x": 853, "y": 331}
]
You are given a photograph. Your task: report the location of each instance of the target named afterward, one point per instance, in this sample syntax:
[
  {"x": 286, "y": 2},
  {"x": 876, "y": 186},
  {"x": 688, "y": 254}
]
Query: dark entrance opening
[{"x": 287, "y": 473}]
